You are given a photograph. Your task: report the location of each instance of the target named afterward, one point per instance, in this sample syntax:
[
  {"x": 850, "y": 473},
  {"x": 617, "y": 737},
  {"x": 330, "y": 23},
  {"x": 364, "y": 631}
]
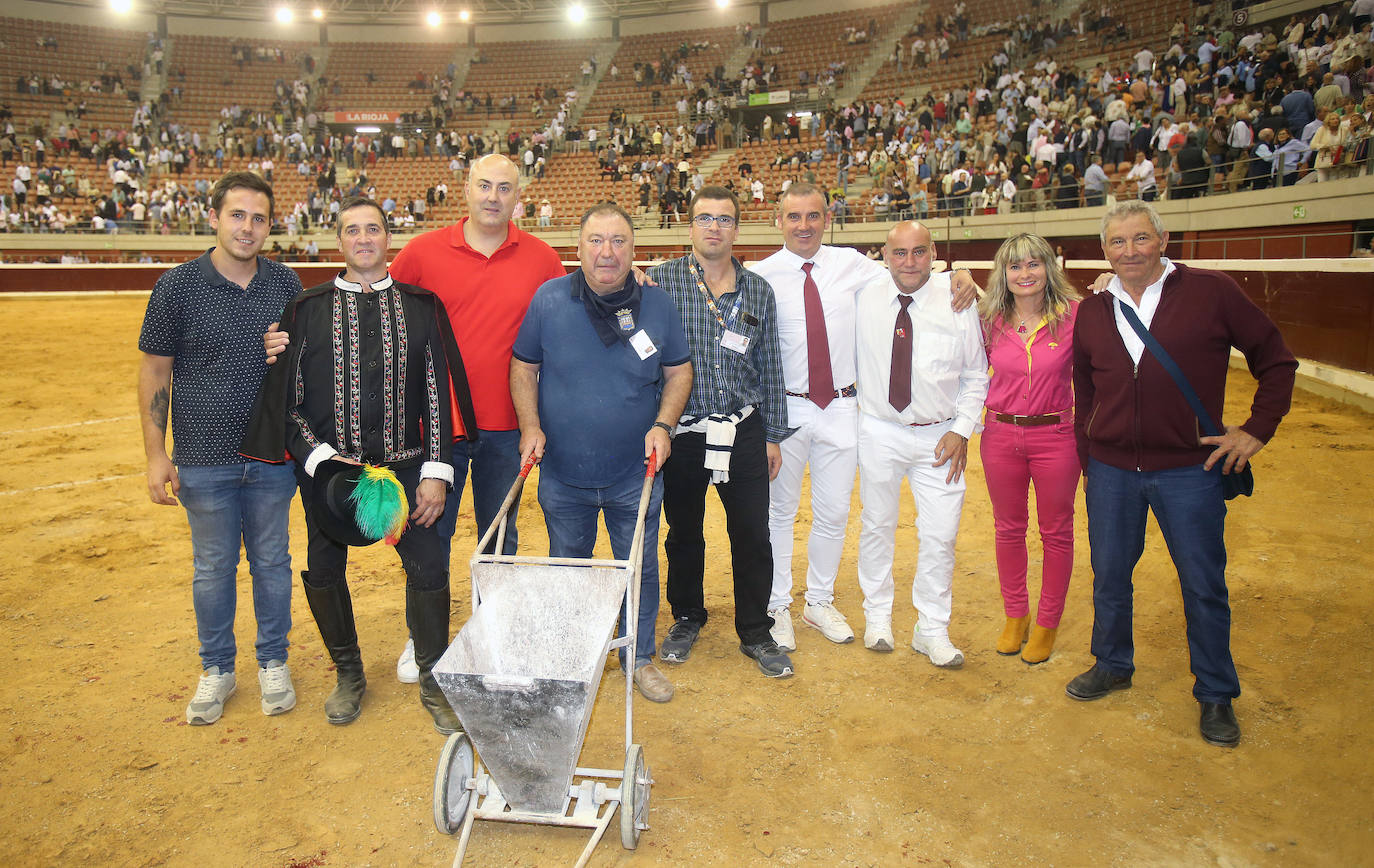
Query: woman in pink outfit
[{"x": 1028, "y": 315}]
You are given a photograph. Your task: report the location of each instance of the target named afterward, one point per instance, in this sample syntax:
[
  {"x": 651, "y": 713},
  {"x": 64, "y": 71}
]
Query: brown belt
[
  {"x": 847, "y": 392},
  {"x": 1042, "y": 419}
]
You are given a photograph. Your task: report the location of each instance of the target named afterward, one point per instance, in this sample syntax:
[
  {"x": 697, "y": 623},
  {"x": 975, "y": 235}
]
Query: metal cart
[{"x": 522, "y": 676}]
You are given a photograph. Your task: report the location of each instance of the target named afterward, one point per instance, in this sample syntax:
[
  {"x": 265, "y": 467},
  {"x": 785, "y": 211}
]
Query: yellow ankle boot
[
  {"x": 1013, "y": 635},
  {"x": 1041, "y": 643}
]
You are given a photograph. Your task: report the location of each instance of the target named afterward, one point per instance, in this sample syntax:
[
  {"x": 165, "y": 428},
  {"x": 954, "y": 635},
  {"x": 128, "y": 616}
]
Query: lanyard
[{"x": 711, "y": 302}]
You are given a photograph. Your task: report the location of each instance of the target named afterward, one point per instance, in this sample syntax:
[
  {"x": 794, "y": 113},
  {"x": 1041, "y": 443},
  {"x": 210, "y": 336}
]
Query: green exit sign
[
  {"x": 968, "y": 233},
  {"x": 1299, "y": 212}
]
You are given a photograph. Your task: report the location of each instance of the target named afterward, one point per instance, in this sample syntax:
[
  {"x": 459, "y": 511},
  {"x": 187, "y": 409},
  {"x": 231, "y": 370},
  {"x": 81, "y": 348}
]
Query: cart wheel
[
  {"x": 451, "y": 793},
  {"x": 634, "y": 797}
]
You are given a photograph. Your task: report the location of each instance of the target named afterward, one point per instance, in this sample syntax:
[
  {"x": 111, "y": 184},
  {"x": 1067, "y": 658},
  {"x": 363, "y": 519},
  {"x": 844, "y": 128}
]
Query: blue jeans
[
  {"x": 570, "y": 514},
  {"x": 495, "y": 462},
  {"x": 1188, "y": 504},
  {"x": 227, "y": 505}
]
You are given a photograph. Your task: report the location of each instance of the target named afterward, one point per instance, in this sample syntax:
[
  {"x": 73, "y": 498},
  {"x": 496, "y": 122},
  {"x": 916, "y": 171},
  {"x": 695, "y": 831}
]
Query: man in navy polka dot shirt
[{"x": 202, "y": 364}]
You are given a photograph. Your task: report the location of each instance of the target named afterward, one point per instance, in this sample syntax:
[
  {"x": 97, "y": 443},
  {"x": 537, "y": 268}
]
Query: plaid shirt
[{"x": 723, "y": 380}]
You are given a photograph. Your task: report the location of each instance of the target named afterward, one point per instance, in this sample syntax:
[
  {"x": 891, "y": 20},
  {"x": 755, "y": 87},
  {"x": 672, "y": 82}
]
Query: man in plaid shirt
[{"x": 729, "y": 432}]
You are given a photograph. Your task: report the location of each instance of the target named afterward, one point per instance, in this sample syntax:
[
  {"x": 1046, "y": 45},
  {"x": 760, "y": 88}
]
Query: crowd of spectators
[{"x": 1212, "y": 110}]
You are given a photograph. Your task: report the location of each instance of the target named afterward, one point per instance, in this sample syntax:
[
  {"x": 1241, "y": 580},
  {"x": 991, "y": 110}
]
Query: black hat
[{"x": 336, "y": 507}]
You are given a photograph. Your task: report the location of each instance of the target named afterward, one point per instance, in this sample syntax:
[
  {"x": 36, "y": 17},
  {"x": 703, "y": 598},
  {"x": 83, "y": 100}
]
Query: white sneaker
[
  {"x": 878, "y": 636},
  {"x": 278, "y": 696},
  {"x": 939, "y": 649},
  {"x": 782, "y": 632},
  {"x": 407, "y": 672},
  {"x": 826, "y": 618},
  {"x": 207, "y": 705}
]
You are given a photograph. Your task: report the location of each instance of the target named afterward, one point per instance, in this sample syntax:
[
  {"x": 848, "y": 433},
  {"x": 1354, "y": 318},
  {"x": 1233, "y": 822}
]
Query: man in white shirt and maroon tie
[
  {"x": 815, "y": 285},
  {"x": 922, "y": 377}
]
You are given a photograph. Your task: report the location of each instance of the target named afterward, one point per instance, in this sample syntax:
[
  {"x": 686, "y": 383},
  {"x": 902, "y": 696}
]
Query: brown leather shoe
[{"x": 653, "y": 685}]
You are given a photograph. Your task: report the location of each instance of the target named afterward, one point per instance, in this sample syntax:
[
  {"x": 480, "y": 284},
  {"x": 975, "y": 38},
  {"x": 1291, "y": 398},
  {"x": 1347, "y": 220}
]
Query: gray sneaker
[
  {"x": 677, "y": 647},
  {"x": 771, "y": 659},
  {"x": 214, "y": 689},
  {"x": 278, "y": 696}
]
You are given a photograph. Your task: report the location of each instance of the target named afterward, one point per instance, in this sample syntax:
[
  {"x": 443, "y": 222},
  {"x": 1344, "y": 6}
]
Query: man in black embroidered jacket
[{"x": 373, "y": 377}]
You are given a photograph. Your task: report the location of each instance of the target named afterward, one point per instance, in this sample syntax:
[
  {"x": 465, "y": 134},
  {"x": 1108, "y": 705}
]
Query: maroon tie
[
  {"x": 899, "y": 387},
  {"x": 820, "y": 383}
]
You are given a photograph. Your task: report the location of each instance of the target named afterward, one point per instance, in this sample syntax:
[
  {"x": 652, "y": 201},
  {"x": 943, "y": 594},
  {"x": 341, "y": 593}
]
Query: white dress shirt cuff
[
  {"x": 437, "y": 470},
  {"x": 319, "y": 454}
]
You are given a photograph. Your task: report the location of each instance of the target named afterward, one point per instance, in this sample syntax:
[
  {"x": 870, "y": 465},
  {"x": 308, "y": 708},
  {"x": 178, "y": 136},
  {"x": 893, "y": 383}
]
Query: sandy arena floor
[{"x": 861, "y": 759}]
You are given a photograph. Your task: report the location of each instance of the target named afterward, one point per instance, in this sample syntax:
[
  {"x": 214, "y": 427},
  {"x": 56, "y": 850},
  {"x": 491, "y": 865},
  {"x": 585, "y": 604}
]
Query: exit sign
[{"x": 1299, "y": 212}]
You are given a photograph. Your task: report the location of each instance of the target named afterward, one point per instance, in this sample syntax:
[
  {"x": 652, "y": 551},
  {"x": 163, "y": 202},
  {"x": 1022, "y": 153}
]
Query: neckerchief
[{"x": 614, "y": 316}]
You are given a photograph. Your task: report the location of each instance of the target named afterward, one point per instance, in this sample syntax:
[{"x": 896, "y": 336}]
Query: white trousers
[
  {"x": 888, "y": 454},
  {"x": 827, "y": 440}
]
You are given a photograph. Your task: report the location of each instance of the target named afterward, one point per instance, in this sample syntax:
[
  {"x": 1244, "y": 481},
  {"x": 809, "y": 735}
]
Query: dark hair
[
  {"x": 358, "y": 202},
  {"x": 602, "y": 208},
  {"x": 714, "y": 192},
  {"x": 241, "y": 181}
]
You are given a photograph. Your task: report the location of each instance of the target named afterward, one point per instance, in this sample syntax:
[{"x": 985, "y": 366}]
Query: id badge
[
  {"x": 643, "y": 344},
  {"x": 734, "y": 341}
]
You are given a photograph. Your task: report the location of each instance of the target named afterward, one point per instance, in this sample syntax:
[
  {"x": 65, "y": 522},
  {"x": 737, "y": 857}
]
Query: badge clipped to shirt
[
  {"x": 734, "y": 341},
  {"x": 643, "y": 344}
]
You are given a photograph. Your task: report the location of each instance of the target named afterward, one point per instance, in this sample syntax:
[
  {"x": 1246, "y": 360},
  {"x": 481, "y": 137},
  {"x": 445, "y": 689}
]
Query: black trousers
[
  {"x": 745, "y": 498},
  {"x": 423, "y": 554}
]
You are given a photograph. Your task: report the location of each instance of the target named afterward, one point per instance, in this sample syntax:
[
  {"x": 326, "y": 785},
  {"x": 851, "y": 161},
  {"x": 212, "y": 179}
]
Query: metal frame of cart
[{"x": 525, "y": 707}]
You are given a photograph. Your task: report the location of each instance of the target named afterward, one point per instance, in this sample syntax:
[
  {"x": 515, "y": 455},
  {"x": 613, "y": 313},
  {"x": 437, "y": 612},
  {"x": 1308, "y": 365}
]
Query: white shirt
[
  {"x": 1149, "y": 303},
  {"x": 949, "y": 370},
  {"x": 1143, "y": 173},
  {"x": 839, "y": 272}
]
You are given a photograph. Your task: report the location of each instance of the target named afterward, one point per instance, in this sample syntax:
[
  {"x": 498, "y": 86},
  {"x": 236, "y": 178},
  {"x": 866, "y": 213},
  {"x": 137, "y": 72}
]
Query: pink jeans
[{"x": 1013, "y": 458}]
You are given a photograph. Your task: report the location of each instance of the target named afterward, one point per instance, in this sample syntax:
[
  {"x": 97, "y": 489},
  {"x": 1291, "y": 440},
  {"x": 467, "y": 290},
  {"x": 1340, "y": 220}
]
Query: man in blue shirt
[
  {"x": 1095, "y": 184},
  {"x": 600, "y": 375},
  {"x": 202, "y": 358}
]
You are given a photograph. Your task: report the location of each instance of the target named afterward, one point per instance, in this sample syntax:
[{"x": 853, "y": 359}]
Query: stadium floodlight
[
  {"x": 722, "y": 4},
  {"x": 284, "y": 15},
  {"x": 433, "y": 19},
  {"x": 464, "y": 15},
  {"x": 577, "y": 13},
  {"x": 121, "y": 7},
  {"x": 317, "y": 13}
]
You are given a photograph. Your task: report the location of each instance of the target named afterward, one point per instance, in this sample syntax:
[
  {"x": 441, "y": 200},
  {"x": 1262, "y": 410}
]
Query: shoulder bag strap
[{"x": 1209, "y": 428}]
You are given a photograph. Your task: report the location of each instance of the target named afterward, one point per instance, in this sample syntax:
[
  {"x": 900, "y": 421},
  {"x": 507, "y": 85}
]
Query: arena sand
[{"x": 861, "y": 759}]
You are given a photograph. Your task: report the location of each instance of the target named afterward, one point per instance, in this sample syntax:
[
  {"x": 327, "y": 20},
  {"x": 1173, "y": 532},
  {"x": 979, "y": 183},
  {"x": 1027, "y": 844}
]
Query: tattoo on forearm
[{"x": 157, "y": 408}]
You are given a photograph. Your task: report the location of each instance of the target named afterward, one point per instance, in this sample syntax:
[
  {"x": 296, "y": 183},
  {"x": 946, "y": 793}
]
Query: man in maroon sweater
[{"x": 1141, "y": 447}]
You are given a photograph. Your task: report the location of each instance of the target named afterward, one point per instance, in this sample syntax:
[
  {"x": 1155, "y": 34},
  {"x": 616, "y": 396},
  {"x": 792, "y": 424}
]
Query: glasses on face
[{"x": 724, "y": 221}]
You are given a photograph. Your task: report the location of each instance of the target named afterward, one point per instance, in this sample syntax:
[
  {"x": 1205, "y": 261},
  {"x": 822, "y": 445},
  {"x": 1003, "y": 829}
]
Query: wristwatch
[{"x": 665, "y": 426}]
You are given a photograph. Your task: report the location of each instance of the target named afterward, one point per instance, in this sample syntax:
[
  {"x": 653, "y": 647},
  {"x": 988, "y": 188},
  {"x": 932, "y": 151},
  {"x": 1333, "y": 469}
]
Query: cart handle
[{"x": 511, "y": 497}]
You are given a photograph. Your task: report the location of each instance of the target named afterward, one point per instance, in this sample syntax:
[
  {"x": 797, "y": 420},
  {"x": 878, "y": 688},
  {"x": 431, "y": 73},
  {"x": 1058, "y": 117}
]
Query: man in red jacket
[{"x": 1141, "y": 449}]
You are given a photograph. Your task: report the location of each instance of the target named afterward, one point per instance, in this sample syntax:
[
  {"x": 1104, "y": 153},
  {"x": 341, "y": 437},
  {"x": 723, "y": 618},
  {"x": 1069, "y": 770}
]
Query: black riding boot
[
  {"x": 427, "y": 613},
  {"x": 333, "y": 610}
]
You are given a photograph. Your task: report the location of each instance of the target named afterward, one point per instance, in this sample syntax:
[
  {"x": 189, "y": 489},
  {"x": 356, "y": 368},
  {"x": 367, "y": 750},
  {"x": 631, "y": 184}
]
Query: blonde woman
[{"x": 1028, "y": 315}]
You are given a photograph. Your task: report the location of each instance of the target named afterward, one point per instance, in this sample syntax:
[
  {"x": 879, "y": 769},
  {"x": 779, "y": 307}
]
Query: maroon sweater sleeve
[{"x": 1271, "y": 362}]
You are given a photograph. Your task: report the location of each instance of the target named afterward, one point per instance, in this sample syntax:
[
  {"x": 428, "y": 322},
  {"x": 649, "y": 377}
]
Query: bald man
[{"x": 922, "y": 377}]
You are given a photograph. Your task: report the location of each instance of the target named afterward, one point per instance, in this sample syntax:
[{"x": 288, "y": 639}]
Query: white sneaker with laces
[
  {"x": 939, "y": 649},
  {"x": 407, "y": 671},
  {"x": 826, "y": 618},
  {"x": 212, "y": 692},
  {"x": 782, "y": 631},
  {"x": 878, "y": 636},
  {"x": 278, "y": 695}
]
